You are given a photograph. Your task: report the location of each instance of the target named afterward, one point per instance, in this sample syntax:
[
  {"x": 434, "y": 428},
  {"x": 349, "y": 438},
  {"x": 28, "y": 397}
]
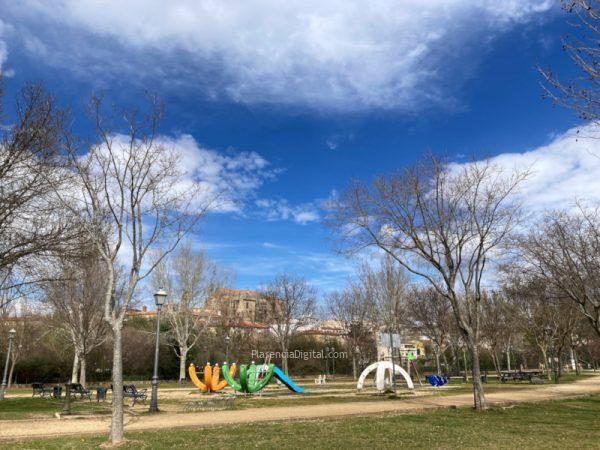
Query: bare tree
[
  {"x": 581, "y": 94},
  {"x": 385, "y": 288},
  {"x": 291, "y": 306},
  {"x": 191, "y": 279},
  {"x": 442, "y": 223},
  {"x": 356, "y": 316},
  {"x": 498, "y": 327},
  {"x": 78, "y": 302},
  {"x": 33, "y": 223},
  {"x": 133, "y": 202},
  {"x": 430, "y": 314},
  {"x": 564, "y": 252}
]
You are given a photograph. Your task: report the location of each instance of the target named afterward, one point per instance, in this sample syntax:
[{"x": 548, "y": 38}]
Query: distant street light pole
[
  {"x": 227, "y": 339},
  {"x": 11, "y": 335},
  {"x": 159, "y": 299},
  {"x": 326, "y": 360}
]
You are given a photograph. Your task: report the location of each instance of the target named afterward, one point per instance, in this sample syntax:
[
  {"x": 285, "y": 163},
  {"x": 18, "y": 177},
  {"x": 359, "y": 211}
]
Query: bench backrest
[{"x": 37, "y": 386}]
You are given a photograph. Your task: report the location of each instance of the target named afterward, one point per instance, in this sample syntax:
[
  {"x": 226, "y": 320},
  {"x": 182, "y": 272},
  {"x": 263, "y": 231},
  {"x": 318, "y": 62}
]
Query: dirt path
[{"x": 21, "y": 429}]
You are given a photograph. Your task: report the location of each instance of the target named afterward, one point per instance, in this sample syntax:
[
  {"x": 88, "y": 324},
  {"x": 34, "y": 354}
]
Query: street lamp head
[
  {"x": 11, "y": 333},
  {"x": 160, "y": 297},
  {"x": 227, "y": 339}
]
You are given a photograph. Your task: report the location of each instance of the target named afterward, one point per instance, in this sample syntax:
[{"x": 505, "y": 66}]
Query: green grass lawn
[{"x": 558, "y": 424}]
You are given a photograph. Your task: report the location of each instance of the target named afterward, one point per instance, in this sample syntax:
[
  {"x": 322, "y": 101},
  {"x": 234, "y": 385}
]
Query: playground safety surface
[{"x": 23, "y": 429}]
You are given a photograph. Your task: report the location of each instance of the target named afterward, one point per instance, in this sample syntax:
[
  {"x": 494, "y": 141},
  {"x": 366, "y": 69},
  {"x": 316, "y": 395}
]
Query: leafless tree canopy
[
  {"x": 78, "y": 302},
  {"x": 564, "y": 252},
  {"x": 190, "y": 278},
  {"x": 429, "y": 313},
  {"x": 33, "y": 223},
  {"x": 582, "y": 93},
  {"x": 441, "y": 223},
  {"x": 291, "y": 305},
  {"x": 129, "y": 191},
  {"x": 356, "y": 314}
]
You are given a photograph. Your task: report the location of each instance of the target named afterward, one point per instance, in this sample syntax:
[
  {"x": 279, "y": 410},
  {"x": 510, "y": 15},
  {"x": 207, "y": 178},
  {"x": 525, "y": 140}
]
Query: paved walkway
[{"x": 23, "y": 429}]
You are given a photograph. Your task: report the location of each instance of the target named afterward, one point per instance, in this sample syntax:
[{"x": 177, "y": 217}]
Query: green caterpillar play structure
[{"x": 253, "y": 378}]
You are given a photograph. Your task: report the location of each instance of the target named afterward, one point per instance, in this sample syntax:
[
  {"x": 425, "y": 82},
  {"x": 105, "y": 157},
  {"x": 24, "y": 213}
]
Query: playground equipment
[
  {"x": 382, "y": 369},
  {"x": 211, "y": 378},
  {"x": 253, "y": 378},
  {"x": 437, "y": 380}
]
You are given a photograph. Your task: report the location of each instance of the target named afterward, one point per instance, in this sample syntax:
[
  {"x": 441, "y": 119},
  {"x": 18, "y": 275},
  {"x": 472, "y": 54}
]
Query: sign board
[{"x": 384, "y": 340}]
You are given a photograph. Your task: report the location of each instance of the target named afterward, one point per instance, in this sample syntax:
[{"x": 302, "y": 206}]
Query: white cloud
[
  {"x": 281, "y": 209},
  {"x": 219, "y": 182},
  {"x": 562, "y": 172},
  {"x": 230, "y": 178},
  {"x": 4, "y": 28},
  {"x": 339, "y": 53}
]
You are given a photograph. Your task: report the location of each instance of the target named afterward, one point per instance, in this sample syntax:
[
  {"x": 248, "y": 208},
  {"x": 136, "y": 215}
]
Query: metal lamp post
[
  {"x": 392, "y": 359},
  {"x": 159, "y": 299},
  {"x": 227, "y": 339},
  {"x": 11, "y": 336},
  {"x": 326, "y": 360},
  {"x": 553, "y": 363}
]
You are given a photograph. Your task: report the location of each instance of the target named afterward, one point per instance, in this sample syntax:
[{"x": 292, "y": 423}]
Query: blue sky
[{"x": 315, "y": 93}]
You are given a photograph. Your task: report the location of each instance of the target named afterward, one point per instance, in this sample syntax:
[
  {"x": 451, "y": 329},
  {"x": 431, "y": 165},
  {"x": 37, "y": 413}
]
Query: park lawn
[
  {"x": 557, "y": 424},
  {"x": 31, "y": 408}
]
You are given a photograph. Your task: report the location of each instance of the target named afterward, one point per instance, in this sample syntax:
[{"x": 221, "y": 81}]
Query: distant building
[
  {"x": 403, "y": 345},
  {"x": 239, "y": 305}
]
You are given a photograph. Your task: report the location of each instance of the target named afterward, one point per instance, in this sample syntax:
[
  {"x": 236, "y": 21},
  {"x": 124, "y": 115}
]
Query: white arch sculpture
[{"x": 382, "y": 367}]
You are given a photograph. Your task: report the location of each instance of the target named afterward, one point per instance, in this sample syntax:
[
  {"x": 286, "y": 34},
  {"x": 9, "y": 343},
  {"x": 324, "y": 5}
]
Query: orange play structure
[{"x": 211, "y": 378}]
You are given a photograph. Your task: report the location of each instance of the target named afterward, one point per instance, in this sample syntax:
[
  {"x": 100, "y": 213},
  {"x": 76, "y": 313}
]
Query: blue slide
[{"x": 278, "y": 373}]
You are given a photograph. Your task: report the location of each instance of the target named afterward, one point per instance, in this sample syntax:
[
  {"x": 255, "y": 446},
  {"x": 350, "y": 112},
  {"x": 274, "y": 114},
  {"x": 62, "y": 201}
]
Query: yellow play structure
[{"x": 211, "y": 378}]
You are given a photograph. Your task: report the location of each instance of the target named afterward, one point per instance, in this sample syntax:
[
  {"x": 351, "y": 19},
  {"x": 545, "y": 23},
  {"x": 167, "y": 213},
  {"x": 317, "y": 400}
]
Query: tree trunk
[
  {"x": 116, "y": 424},
  {"x": 437, "y": 361},
  {"x": 547, "y": 365},
  {"x": 496, "y": 364},
  {"x": 284, "y": 359},
  {"x": 445, "y": 359},
  {"x": 75, "y": 372},
  {"x": 466, "y": 376},
  {"x": 82, "y": 370},
  {"x": 479, "y": 401},
  {"x": 183, "y": 351},
  {"x": 354, "y": 366},
  {"x": 508, "y": 359}
]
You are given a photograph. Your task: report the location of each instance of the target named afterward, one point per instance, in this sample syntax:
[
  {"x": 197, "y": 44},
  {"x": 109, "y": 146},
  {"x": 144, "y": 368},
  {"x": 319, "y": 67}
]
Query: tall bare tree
[
  {"x": 442, "y": 223},
  {"x": 191, "y": 278},
  {"x": 133, "y": 203},
  {"x": 291, "y": 304}
]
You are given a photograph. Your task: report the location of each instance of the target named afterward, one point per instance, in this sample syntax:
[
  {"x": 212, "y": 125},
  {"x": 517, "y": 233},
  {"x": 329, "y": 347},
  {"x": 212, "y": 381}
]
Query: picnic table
[{"x": 520, "y": 375}]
